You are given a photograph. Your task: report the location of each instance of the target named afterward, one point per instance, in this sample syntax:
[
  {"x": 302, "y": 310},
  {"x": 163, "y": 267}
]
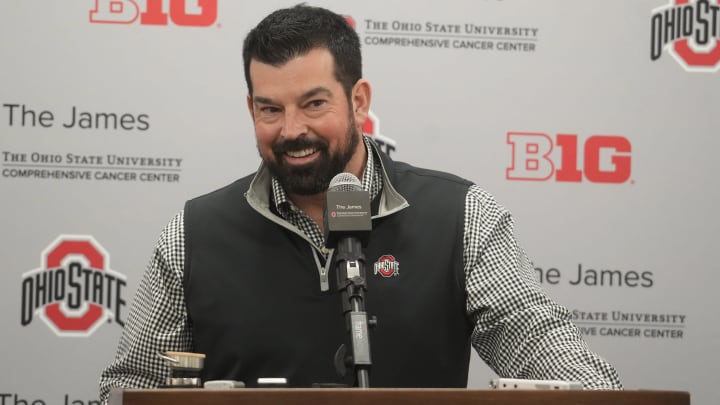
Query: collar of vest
[{"x": 390, "y": 201}]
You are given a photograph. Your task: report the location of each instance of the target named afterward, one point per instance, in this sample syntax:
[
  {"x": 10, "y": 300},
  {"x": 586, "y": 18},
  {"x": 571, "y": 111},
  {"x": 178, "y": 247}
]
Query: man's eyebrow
[
  {"x": 315, "y": 91},
  {"x": 262, "y": 100},
  {"x": 308, "y": 94}
]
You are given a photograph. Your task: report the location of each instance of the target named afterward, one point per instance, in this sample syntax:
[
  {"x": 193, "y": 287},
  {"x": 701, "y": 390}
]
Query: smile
[{"x": 301, "y": 153}]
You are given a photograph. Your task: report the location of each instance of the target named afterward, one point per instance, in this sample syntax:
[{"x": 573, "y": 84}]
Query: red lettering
[
  {"x": 621, "y": 163},
  {"x": 606, "y": 158},
  {"x": 568, "y": 162},
  {"x": 530, "y": 156},
  {"x": 197, "y": 13}
]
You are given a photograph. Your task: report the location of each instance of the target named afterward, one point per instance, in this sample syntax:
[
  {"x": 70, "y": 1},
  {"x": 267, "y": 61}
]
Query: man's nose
[{"x": 294, "y": 124}]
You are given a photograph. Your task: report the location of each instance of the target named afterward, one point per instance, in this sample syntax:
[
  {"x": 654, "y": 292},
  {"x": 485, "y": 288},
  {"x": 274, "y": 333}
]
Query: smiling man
[{"x": 239, "y": 273}]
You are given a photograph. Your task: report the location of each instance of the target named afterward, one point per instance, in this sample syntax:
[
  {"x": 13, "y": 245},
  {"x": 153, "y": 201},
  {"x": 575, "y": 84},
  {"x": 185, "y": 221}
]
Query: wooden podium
[{"x": 383, "y": 396}]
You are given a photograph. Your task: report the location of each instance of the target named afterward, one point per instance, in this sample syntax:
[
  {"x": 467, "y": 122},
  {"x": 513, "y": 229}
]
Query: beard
[{"x": 313, "y": 178}]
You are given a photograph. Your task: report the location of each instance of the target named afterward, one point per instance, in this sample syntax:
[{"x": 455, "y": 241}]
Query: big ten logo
[
  {"x": 189, "y": 13},
  {"x": 539, "y": 157}
]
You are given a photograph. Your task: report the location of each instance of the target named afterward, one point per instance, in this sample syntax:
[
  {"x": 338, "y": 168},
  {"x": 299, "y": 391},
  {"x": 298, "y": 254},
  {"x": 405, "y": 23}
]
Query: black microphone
[
  {"x": 347, "y": 211},
  {"x": 348, "y": 222}
]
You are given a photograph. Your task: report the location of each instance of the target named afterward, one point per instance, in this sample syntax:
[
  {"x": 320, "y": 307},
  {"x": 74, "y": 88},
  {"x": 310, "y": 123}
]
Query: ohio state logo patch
[
  {"x": 74, "y": 291},
  {"x": 387, "y": 266}
]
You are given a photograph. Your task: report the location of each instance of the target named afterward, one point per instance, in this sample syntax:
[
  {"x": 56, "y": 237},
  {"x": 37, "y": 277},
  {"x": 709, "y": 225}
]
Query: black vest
[{"x": 256, "y": 310}]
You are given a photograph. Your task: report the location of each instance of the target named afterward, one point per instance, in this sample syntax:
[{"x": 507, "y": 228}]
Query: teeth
[{"x": 301, "y": 153}]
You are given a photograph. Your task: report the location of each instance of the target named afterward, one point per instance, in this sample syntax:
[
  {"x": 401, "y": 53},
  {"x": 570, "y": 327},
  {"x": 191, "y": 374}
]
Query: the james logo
[
  {"x": 690, "y": 31},
  {"x": 387, "y": 266},
  {"x": 74, "y": 291},
  {"x": 197, "y": 13}
]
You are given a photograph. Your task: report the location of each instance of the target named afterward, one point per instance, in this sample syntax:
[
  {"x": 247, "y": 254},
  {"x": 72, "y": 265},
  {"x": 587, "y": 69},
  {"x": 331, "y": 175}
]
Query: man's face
[{"x": 305, "y": 129}]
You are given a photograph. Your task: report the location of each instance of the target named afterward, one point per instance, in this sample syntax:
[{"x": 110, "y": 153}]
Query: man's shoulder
[
  {"x": 236, "y": 189},
  {"x": 403, "y": 171}
]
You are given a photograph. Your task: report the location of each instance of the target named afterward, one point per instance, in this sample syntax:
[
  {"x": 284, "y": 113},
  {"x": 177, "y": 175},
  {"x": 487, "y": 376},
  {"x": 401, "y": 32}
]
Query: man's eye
[
  {"x": 316, "y": 103},
  {"x": 269, "y": 110}
]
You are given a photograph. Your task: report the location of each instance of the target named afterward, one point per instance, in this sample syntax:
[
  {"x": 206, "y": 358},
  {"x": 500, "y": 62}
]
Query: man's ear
[
  {"x": 250, "y": 107},
  {"x": 360, "y": 98}
]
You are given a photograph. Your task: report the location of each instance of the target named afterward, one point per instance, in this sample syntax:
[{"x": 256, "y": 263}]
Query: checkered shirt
[{"x": 519, "y": 331}]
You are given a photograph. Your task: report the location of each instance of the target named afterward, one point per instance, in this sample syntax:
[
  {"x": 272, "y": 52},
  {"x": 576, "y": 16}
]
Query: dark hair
[{"x": 295, "y": 31}]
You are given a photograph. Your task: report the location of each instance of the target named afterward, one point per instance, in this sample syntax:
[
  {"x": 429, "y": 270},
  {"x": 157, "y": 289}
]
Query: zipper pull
[{"x": 324, "y": 282}]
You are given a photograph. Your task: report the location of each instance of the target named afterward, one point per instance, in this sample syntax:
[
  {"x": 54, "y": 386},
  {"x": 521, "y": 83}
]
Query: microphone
[
  {"x": 348, "y": 222},
  {"x": 347, "y": 211}
]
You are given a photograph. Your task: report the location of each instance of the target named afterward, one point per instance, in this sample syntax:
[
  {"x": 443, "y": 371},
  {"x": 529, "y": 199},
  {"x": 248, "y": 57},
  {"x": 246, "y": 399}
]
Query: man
[{"x": 241, "y": 274}]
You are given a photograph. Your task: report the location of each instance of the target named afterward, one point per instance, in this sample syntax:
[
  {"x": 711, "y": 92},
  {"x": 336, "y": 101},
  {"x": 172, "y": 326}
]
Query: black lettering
[
  {"x": 579, "y": 275},
  {"x": 106, "y": 118},
  {"x": 550, "y": 276},
  {"x": 611, "y": 277},
  {"x": 687, "y": 20},
  {"x": 59, "y": 284},
  {"x": 144, "y": 120},
  {"x": 656, "y": 40},
  {"x": 127, "y": 122},
  {"x": 26, "y": 308},
  {"x": 41, "y": 288},
  {"x": 647, "y": 278},
  {"x": 86, "y": 277},
  {"x": 85, "y": 121},
  {"x": 109, "y": 289},
  {"x": 10, "y": 108},
  {"x": 702, "y": 35},
  {"x": 631, "y": 278},
  {"x": 73, "y": 298},
  {"x": 119, "y": 301},
  {"x": 72, "y": 121},
  {"x": 97, "y": 288},
  {"x": 669, "y": 15}
]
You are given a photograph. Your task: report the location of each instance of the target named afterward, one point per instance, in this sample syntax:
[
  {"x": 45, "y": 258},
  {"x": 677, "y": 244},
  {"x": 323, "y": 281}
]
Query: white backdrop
[{"x": 595, "y": 123}]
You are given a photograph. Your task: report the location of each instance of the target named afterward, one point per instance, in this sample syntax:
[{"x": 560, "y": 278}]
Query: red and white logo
[
  {"x": 602, "y": 158},
  {"x": 74, "y": 291},
  {"x": 690, "y": 31},
  {"x": 187, "y": 13},
  {"x": 387, "y": 266},
  {"x": 371, "y": 126}
]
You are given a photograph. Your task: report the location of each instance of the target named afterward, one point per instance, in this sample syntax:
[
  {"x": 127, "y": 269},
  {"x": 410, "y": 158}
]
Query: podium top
[{"x": 395, "y": 396}]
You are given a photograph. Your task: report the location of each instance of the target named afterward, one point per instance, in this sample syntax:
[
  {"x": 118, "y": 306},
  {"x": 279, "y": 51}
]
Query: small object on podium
[
  {"x": 185, "y": 369},
  {"x": 223, "y": 384},
  {"x": 272, "y": 382},
  {"x": 523, "y": 384}
]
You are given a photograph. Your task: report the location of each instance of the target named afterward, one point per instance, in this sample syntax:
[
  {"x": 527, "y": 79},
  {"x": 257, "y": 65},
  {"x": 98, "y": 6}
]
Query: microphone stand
[{"x": 352, "y": 285}]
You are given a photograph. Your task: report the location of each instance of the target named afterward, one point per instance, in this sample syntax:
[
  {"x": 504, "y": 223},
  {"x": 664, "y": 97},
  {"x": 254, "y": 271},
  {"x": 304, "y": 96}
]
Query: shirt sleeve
[
  {"x": 518, "y": 330},
  {"x": 157, "y": 321}
]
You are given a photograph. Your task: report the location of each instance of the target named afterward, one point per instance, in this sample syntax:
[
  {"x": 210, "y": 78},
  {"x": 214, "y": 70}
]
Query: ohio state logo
[
  {"x": 74, "y": 291},
  {"x": 371, "y": 126},
  {"x": 188, "y": 13},
  {"x": 387, "y": 266},
  {"x": 690, "y": 31}
]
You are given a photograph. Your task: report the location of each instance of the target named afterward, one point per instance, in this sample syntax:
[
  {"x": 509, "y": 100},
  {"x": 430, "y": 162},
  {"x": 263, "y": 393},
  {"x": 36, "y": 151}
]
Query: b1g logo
[
  {"x": 690, "y": 31},
  {"x": 605, "y": 158},
  {"x": 74, "y": 291},
  {"x": 189, "y": 13}
]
